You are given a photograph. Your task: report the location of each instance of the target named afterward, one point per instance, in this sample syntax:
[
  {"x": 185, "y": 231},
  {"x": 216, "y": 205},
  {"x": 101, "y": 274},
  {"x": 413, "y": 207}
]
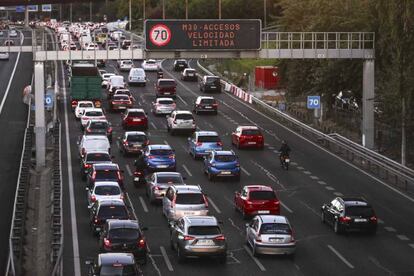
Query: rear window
[
  {"x": 85, "y": 105},
  {"x": 208, "y": 101},
  {"x": 99, "y": 125},
  {"x": 161, "y": 152},
  {"x": 106, "y": 174},
  {"x": 212, "y": 80},
  {"x": 136, "y": 138},
  {"x": 262, "y": 195},
  {"x": 93, "y": 113},
  {"x": 170, "y": 179},
  {"x": 251, "y": 132},
  {"x": 225, "y": 158},
  {"x": 167, "y": 83},
  {"x": 136, "y": 114},
  {"x": 107, "y": 190},
  {"x": 151, "y": 62},
  {"x": 117, "y": 270},
  {"x": 124, "y": 234},
  {"x": 189, "y": 198},
  {"x": 275, "y": 228},
  {"x": 112, "y": 211},
  {"x": 204, "y": 230},
  {"x": 98, "y": 157},
  {"x": 137, "y": 73},
  {"x": 127, "y": 62},
  {"x": 165, "y": 102},
  {"x": 121, "y": 98},
  {"x": 363, "y": 211},
  {"x": 184, "y": 117},
  {"x": 207, "y": 139}
]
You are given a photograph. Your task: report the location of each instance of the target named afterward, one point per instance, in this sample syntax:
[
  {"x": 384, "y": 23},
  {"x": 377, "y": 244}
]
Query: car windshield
[
  {"x": 117, "y": 270},
  {"x": 225, "y": 158},
  {"x": 189, "y": 198},
  {"x": 204, "y": 230},
  {"x": 124, "y": 234},
  {"x": 275, "y": 228},
  {"x": 212, "y": 80},
  {"x": 93, "y": 113},
  {"x": 136, "y": 114},
  {"x": 251, "y": 132},
  {"x": 208, "y": 139},
  {"x": 127, "y": 62},
  {"x": 107, "y": 190},
  {"x": 106, "y": 174},
  {"x": 262, "y": 195},
  {"x": 165, "y": 102},
  {"x": 359, "y": 211},
  {"x": 112, "y": 211},
  {"x": 99, "y": 125},
  {"x": 137, "y": 73},
  {"x": 169, "y": 179},
  {"x": 208, "y": 101},
  {"x": 184, "y": 116},
  {"x": 151, "y": 62},
  {"x": 98, "y": 157},
  {"x": 166, "y": 83},
  {"x": 85, "y": 105},
  {"x": 161, "y": 152},
  {"x": 190, "y": 71},
  {"x": 117, "y": 81},
  {"x": 136, "y": 138}
]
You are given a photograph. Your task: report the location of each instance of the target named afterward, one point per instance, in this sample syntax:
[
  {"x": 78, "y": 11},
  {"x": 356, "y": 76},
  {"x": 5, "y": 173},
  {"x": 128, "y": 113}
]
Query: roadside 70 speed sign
[
  {"x": 314, "y": 102},
  {"x": 160, "y": 35}
]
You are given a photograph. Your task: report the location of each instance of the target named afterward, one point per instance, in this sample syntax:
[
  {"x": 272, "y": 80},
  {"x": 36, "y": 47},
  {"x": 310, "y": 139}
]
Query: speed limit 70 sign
[{"x": 160, "y": 35}]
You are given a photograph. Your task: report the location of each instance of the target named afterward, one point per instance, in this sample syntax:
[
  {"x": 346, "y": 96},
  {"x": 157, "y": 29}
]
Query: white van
[{"x": 137, "y": 76}]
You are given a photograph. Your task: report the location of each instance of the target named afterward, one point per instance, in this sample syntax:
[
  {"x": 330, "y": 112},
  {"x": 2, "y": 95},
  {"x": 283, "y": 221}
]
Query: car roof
[
  {"x": 127, "y": 133},
  {"x": 189, "y": 69},
  {"x": 159, "y": 146},
  {"x": 95, "y": 137},
  {"x": 106, "y": 183},
  {"x": 354, "y": 201},
  {"x": 159, "y": 80},
  {"x": 187, "y": 189},
  {"x": 106, "y": 166},
  {"x": 117, "y": 77},
  {"x": 152, "y": 60},
  {"x": 124, "y": 223},
  {"x": 135, "y": 110},
  {"x": 205, "y": 97},
  {"x": 120, "y": 258},
  {"x": 273, "y": 219},
  {"x": 247, "y": 127},
  {"x": 98, "y": 120},
  {"x": 200, "y": 220},
  {"x": 97, "y": 151},
  {"x": 84, "y": 102},
  {"x": 93, "y": 109},
  {"x": 258, "y": 188},
  {"x": 165, "y": 98},
  {"x": 183, "y": 112},
  {"x": 107, "y": 202},
  {"x": 206, "y": 133},
  {"x": 167, "y": 173},
  {"x": 224, "y": 152}
]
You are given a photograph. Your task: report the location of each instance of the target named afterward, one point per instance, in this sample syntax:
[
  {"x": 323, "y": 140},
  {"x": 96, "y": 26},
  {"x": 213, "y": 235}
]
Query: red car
[
  {"x": 256, "y": 200},
  {"x": 120, "y": 102},
  {"x": 247, "y": 137},
  {"x": 165, "y": 87},
  {"x": 135, "y": 118}
]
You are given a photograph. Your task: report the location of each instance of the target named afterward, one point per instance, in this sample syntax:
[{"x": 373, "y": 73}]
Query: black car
[
  {"x": 122, "y": 264},
  {"x": 210, "y": 84},
  {"x": 105, "y": 172},
  {"x": 180, "y": 65},
  {"x": 94, "y": 157},
  {"x": 102, "y": 210},
  {"x": 349, "y": 214},
  {"x": 97, "y": 127},
  {"x": 124, "y": 236}
]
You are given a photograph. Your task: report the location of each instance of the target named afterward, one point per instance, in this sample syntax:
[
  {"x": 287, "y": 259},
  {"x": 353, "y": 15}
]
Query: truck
[{"x": 85, "y": 84}]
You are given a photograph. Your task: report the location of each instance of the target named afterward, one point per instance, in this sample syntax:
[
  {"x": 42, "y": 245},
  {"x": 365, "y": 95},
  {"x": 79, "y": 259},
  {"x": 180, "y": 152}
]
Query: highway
[
  {"x": 13, "y": 115},
  {"x": 315, "y": 177}
]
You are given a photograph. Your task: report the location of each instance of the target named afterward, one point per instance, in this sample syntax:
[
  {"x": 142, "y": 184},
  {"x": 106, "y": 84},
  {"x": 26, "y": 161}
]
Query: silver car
[
  {"x": 103, "y": 190},
  {"x": 184, "y": 200},
  {"x": 270, "y": 234},
  {"x": 163, "y": 106},
  {"x": 198, "y": 236},
  {"x": 158, "y": 183}
]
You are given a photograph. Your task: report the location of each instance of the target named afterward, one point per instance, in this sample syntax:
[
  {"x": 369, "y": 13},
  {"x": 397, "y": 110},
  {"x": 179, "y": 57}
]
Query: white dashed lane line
[
  {"x": 300, "y": 168},
  {"x": 258, "y": 263},
  {"x": 411, "y": 245},
  {"x": 329, "y": 188},
  {"x": 403, "y": 237},
  {"x": 187, "y": 170},
  {"x": 245, "y": 171},
  {"x": 314, "y": 177},
  {"x": 166, "y": 259},
  {"x": 307, "y": 172},
  {"x": 285, "y": 207},
  {"x": 390, "y": 229},
  {"x": 338, "y": 194},
  {"x": 342, "y": 258},
  {"x": 214, "y": 205},
  {"x": 144, "y": 205},
  {"x": 128, "y": 168},
  {"x": 321, "y": 182}
]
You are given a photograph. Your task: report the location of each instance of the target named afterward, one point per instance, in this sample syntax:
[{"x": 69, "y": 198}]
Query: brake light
[
  {"x": 93, "y": 198},
  {"x": 107, "y": 243},
  {"x": 156, "y": 188},
  {"x": 199, "y": 144},
  {"x": 292, "y": 236},
  {"x": 83, "y": 152},
  {"x": 94, "y": 176},
  {"x": 373, "y": 218},
  {"x": 345, "y": 219},
  {"x": 215, "y": 104},
  {"x": 74, "y": 103},
  {"x": 173, "y": 203},
  {"x": 137, "y": 173},
  {"x": 96, "y": 220},
  {"x": 88, "y": 130},
  {"x": 219, "y": 144},
  {"x": 151, "y": 157},
  {"x": 205, "y": 201},
  {"x": 119, "y": 175},
  {"x": 258, "y": 239},
  {"x": 110, "y": 129},
  {"x": 87, "y": 166},
  {"x": 188, "y": 238},
  {"x": 141, "y": 243},
  {"x": 125, "y": 143},
  {"x": 98, "y": 104},
  {"x": 220, "y": 238}
]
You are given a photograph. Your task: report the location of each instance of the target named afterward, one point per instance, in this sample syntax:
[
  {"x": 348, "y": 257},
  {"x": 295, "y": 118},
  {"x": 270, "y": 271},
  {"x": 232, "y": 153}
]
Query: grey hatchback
[{"x": 198, "y": 236}]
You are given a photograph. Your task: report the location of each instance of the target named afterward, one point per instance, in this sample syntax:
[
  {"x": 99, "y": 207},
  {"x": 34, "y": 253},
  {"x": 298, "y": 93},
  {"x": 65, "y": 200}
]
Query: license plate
[
  {"x": 263, "y": 212},
  {"x": 98, "y": 229},
  {"x": 136, "y": 179},
  {"x": 136, "y": 120},
  {"x": 191, "y": 75},
  {"x": 213, "y": 87},
  {"x": 360, "y": 220},
  {"x": 275, "y": 240},
  {"x": 166, "y": 93},
  {"x": 225, "y": 173},
  {"x": 208, "y": 107},
  {"x": 205, "y": 242},
  {"x": 251, "y": 143},
  {"x": 162, "y": 166},
  {"x": 122, "y": 107}
]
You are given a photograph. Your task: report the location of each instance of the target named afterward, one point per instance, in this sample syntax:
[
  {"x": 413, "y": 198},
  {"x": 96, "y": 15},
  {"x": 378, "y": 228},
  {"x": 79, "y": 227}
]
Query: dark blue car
[
  {"x": 159, "y": 158},
  {"x": 223, "y": 163}
]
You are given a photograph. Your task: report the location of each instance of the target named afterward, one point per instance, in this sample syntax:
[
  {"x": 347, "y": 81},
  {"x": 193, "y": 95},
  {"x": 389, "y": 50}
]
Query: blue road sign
[
  {"x": 48, "y": 101},
  {"x": 33, "y": 8},
  {"x": 314, "y": 102},
  {"x": 47, "y": 8},
  {"x": 20, "y": 8}
]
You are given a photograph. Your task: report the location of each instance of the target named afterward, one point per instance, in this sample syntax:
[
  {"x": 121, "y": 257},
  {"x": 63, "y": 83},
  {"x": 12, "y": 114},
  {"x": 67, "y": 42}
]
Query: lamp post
[
  {"x": 130, "y": 15},
  {"x": 219, "y": 9},
  {"x": 186, "y": 9},
  {"x": 163, "y": 9}
]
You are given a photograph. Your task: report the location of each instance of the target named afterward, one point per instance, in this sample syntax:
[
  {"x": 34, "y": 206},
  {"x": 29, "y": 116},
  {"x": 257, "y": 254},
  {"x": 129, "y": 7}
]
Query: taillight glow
[
  {"x": 220, "y": 238},
  {"x": 345, "y": 219},
  {"x": 188, "y": 238},
  {"x": 373, "y": 218},
  {"x": 205, "y": 200},
  {"x": 93, "y": 198},
  {"x": 141, "y": 243},
  {"x": 199, "y": 144},
  {"x": 219, "y": 144},
  {"x": 107, "y": 243}
]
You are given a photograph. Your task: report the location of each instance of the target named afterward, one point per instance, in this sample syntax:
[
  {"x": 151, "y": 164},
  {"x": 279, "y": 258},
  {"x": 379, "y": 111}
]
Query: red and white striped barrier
[{"x": 238, "y": 92}]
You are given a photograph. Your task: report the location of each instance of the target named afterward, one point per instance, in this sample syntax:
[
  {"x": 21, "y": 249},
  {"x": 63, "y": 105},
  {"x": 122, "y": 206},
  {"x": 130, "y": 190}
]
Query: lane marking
[
  {"x": 245, "y": 171},
  {"x": 240, "y": 231},
  {"x": 322, "y": 182},
  {"x": 314, "y": 177},
  {"x": 307, "y": 172},
  {"x": 403, "y": 237},
  {"x": 128, "y": 169},
  {"x": 73, "y": 219},
  {"x": 187, "y": 170},
  {"x": 411, "y": 245},
  {"x": 153, "y": 125},
  {"x": 166, "y": 259},
  {"x": 340, "y": 256},
  {"x": 178, "y": 96},
  {"x": 271, "y": 148},
  {"x": 258, "y": 263},
  {"x": 165, "y": 142},
  {"x": 300, "y": 168},
  {"x": 390, "y": 229},
  {"x": 12, "y": 77},
  {"x": 380, "y": 221},
  {"x": 330, "y": 188},
  {"x": 144, "y": 206},
  {"x": 294, "y": 163},
  {"x": 338, "y": 194},
  {"x": 287, "y": 208},
  {"x": 214, "y": 205}
]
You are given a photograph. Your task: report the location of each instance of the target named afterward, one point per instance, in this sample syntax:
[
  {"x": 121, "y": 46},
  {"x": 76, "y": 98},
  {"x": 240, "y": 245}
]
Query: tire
[
  {"x": 323, "y": 217},
  {"x": 181, "y": 257},
  {"x": 210, "y": 176},
  {"x": 171, "y": 243}
]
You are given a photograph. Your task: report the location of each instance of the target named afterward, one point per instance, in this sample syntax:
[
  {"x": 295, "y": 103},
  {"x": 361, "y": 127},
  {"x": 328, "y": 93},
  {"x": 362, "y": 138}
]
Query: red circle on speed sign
[{"x": 160, "y": 35}]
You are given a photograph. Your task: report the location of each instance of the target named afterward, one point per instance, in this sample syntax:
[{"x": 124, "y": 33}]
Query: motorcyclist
[
  {"x": 140, "y": 169},
  {"x": 160, "y": 74},
  {"x": 283, "y": 152}
]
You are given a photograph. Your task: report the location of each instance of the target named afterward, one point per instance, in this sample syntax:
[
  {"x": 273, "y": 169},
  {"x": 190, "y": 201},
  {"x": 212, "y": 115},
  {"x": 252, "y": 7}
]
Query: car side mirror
[
  {"x": 247, "y": 225},
  {"x": 172, "y": 224},
  {"x": 89, "y": 206}
]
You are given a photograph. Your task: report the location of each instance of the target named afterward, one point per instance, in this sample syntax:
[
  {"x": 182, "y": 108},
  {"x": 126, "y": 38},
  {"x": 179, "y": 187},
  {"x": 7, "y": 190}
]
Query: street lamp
[
  {"x": 219, "y": 9},
  {"x": 130, "y": 15}
]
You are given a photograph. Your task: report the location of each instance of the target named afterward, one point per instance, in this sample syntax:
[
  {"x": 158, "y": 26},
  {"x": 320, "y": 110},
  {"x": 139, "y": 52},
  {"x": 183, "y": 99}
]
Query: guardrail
[
  {"x": 17, "y": 229},
  {"x": 370, "y": 161}
]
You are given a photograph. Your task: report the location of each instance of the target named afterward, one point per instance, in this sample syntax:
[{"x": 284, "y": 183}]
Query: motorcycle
[
  {"x": 285, "y": 161},
  {"x": 138, "y": 177},
  {"x": 160, "y": 74}
]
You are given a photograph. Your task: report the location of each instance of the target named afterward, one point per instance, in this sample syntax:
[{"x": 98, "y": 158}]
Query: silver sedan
[{"x": 158, "y": 183}]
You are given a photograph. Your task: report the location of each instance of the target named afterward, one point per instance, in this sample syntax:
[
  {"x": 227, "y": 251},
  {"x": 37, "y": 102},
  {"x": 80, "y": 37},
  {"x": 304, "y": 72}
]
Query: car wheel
[
  {"x": 337, "y": 228},
  {"x": 171, "y": 243},
  {"x": 180, "y": 255},
  {"x": 244, "y": 215},
  {"x": 210, "y": 176},
  {"x": 322, "y": 217}
]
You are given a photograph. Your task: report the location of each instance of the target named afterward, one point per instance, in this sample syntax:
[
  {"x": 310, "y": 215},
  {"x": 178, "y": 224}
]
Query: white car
[
  {"x": 101, "y": 72},
  {"x": 1, "y": 33},
  {"x": 137, "y": 76},
  {"x": 105, "y": 79},
  {"x": 80, "y": 108},
  {"x": 125, "y": 65},
  {"x": 4, "y": 56},
  {"x": 90, "y": 143},
  {"x": 150, "y": 65},
  {"x": 181, "y": 120},
  {"x": 13, "y": 33},
  {"x": 115, "y": 82},
  {"x": 91, "y": 113},
  {"x": 104, "y": 190},
  {"x": 163, "y": 106},
  {"x": 91, "y": 47}
]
